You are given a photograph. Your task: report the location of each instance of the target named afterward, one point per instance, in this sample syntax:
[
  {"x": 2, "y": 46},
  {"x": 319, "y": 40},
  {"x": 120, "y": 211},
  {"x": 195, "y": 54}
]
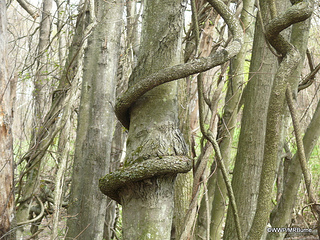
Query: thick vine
[
  {"x": 289, "y": 59},
  {"x": 122, "y": 108},
  {"x": 112, "y": 183}
]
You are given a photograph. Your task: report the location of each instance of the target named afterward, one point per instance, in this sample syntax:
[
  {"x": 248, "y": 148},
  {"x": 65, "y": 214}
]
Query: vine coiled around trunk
[
  {"x": 289, "y": 58},
  {"x": 111, "y": 184}
]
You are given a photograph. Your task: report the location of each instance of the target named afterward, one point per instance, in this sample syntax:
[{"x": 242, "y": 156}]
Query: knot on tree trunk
[{"x": 111, "y": 184}]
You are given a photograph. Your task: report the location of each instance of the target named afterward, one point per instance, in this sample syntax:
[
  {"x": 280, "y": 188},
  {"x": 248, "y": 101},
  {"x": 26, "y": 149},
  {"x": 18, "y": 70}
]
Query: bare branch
[
  {"x": 209, "y": 136},
  {"x": 309, "y": 79},
  {"x": 29, "y": 8},
  {"x": 300, "y": 146}
]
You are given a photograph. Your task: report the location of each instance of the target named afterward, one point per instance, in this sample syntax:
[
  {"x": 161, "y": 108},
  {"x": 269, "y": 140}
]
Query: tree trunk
[
  {"x": 154, "y": 135},
  {"x": 64, "y": 150},
  {"x": 41, "y": 82},
  {"x": 281, "y": 214},
  {"x": 250, "y": 148},
  {"x": 7, "y": 205},
  {"x": 156, "y": 149},
  {"x": 117, "y": 153},
  {"x": 184, "y": 181},
  {"x": 289, "y": 60},
  {"x": 87, "y": 206}
]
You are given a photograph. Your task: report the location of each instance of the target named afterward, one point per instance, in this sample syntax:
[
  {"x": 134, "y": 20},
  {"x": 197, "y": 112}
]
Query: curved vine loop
[
  {"x": 296, "y": 13},
  {"x": 122, "y": 108},
  {"x": 113, "y": 182},
  {"x": 37, "y": 217}
]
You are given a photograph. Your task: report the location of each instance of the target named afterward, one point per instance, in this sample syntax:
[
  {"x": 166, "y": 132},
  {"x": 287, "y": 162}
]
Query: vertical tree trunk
[
  {"x": 64, "y": 148},
  {"x": 96, "y": 123},
  {"x": 6, "y": 150},
  {"x": 184, "y": 181},
  {"x": 246, "y": 173},
  {"x": 41, "y": 77},
  {"x": 156, "y": 148},
  {"x": 289, "y": 60},
  {"x": 147, "y": 205},
  {"x": 117, "y": 149},
  {"x": 281, "y": 214}
]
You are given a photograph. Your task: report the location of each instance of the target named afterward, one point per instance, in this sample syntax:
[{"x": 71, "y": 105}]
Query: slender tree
[
  {"x": 281, "y": 214},
  {"x": 289, "y": 59},
  {"x": 154, "y": 131},
  {"x": 250, "y": 147},
  {"x": 87, "y": 206},
  {"x": 40, "y": 102}
]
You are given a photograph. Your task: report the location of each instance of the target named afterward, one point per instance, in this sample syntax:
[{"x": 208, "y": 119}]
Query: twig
[
  {"x": 301, "y": 152},
  {"x": 309, "y": 79},
  {"x": 209, "y": 136},
  {"x": 36, "y": 218},
  {"x": 207, "y": 209},
  {"x": 82, "y": 231}
]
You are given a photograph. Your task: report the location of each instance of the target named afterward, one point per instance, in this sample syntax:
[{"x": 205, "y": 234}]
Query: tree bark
[
  {"x": 87, "y": 206},
  {"x": 290, "y": 57},
  {"x": 281, "y": 214},
  {"x": 147, "y": 205},
  {"x": 251, "y": 140},
  {"x": 41, "y": 80},
  {"x": 134, "y": 109},
  {"x": 7, "y": 204},
  {"x": 184, "y": 181}
]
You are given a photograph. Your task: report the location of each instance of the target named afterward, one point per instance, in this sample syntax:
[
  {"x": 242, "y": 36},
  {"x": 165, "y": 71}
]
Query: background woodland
[{"x": 198, "y": 119}]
